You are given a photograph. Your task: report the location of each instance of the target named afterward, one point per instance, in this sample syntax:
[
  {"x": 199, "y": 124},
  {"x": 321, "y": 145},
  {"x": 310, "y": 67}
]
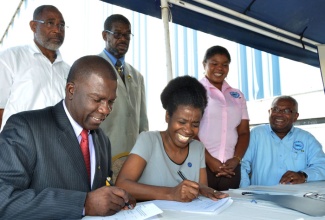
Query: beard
[{"x": 48, "y": 43}]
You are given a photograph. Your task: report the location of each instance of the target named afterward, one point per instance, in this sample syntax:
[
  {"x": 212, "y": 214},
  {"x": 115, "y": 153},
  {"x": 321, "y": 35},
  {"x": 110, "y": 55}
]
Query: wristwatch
[{"x": 305, "y": 175}]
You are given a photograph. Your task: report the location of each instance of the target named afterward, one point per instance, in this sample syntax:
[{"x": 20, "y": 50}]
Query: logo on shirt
[
  {"x": 189, "y": 164},
  {"x": 298, "y": 145},
  {"x": 235, "y": 95}
]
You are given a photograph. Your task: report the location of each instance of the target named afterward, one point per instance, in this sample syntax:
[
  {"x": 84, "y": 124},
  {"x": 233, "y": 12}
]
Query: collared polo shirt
[{"x": 224, "y": 112}]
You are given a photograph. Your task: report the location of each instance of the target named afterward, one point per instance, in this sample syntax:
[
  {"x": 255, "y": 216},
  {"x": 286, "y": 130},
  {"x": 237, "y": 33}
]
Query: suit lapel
[
  {"x": 98, "y": 173},
  {"x": 103, "y": 158},
  {"x": 69, "y": 142},
  {"x": 121, "y": 87}
]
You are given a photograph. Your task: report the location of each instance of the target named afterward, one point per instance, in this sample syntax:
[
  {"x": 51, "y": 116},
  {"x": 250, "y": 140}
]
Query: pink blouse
[{"x": 224, "y": 112}]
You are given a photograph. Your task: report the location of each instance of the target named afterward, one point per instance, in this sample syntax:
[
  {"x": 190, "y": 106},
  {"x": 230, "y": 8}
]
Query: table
[{"x": 243, "y": 207}]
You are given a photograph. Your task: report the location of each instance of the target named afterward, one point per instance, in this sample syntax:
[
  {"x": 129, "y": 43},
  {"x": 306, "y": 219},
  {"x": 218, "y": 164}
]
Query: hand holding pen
[
  {"x": 187, "y": 190},
  {"x": 109, "y": 182},
  {"x": 207, "y": 191},
  {"x": 106, "y": 201}
]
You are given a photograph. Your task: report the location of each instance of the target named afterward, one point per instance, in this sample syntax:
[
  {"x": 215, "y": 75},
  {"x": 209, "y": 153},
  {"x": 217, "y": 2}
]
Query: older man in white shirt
[{"x": 34, "y": 76}]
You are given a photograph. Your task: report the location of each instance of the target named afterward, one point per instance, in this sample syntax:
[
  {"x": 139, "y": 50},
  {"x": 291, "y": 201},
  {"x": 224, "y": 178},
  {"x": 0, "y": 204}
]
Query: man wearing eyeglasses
[
  {"x": 34, "y": 76},
  {"x": 281, "y": 153},
  {"x": 129, "y": 115}
]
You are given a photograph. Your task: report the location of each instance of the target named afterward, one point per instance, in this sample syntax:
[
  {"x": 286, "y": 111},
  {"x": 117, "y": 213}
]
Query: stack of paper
[{"x": 201, "y": 205}]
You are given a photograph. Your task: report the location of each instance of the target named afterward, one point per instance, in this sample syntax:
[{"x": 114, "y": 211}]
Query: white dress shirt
[{"x": 29, "y": 80}]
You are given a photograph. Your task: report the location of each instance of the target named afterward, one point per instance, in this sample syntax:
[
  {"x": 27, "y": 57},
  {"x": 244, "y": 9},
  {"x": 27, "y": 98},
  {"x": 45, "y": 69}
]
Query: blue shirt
[
  {"x": 113, "y": 59},
  {"x": 268, "y": 157}
]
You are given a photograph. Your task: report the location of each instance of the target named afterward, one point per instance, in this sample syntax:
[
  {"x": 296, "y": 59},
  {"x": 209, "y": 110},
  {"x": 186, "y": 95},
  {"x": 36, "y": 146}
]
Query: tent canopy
[{"x": 301, "y": 23}]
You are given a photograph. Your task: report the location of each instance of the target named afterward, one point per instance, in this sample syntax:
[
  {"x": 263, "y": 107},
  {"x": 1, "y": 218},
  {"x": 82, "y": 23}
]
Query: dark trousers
[{"x": 223, "y": 183}]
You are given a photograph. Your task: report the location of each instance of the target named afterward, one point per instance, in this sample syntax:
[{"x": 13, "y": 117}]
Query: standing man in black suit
[{"x": 43, "y": 174}]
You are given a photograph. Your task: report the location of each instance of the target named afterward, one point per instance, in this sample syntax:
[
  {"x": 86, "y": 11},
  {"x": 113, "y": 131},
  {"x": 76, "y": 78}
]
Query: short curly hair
[
  {"x": 183, "y": 90},
  {"x": 285, "y": 97}
]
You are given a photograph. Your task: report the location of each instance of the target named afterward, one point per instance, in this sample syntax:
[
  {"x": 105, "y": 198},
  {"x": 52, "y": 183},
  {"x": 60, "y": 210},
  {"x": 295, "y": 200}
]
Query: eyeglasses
[
  {"x": 285, "y": 111},
  {"x": 51, "y": 24},
  {"x": 314, "y": 195},
  {"x": 118, "y": 35}
]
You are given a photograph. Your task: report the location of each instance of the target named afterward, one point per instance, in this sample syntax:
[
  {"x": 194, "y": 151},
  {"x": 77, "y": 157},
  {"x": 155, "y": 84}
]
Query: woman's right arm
[{"x": 131, "y": 172}]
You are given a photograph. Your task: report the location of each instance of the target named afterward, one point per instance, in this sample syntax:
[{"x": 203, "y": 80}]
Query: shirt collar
[
  {"x": 288, "y": 134},
  {"x": 76, "y": 127},
  {"x": 112, "y": 58},
  {"x": 35, "y": 50},
  {"x": 206, "y": 82}
]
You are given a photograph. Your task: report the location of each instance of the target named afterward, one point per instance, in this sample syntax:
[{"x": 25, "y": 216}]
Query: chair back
[{"x": 117, "y": 163}]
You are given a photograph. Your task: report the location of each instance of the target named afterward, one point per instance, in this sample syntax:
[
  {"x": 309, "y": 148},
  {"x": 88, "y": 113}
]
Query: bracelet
[{"x": 237, "y": 157}]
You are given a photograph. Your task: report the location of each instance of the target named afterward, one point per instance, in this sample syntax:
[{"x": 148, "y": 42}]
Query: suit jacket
[
  {"x": 42, "y": 170},
  {"x": 129, "y": 115}
]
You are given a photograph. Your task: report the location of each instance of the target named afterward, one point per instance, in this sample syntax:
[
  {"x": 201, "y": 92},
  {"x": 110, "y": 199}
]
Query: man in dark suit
[{"x": 43, "y": 173}]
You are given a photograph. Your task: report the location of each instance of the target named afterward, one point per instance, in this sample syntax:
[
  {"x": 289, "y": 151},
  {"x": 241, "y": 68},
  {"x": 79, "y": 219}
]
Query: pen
[
  {"x": 110, "y": 183},
  {"x": 248, "y": 193},
  {"x": 184, "y": 178},
  {"x": 181, "y": 175},
  {"x": 253, "y": 193}
]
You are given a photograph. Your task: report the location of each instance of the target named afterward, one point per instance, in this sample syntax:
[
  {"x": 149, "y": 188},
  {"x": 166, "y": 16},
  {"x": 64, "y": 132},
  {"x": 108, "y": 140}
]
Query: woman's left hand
[{"x": 211, "y": 193}]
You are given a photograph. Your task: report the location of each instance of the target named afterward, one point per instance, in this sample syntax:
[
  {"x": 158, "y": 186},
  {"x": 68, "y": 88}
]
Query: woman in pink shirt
[{"x": 224, "y": 128}]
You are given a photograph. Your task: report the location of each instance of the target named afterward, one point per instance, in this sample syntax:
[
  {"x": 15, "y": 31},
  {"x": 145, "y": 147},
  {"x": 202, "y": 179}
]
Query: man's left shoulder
[
  {"x": 303, "y": 135},
  {"x": 301, "y": 132}
]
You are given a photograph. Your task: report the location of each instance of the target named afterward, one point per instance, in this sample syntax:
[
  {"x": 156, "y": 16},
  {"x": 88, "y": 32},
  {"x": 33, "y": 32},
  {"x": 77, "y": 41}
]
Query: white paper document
[
  {"x": 140, "y": 212},
  {"x": 200, "y": 205}
]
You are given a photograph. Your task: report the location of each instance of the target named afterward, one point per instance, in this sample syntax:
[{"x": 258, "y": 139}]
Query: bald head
[{"x": 39, "y": 11}]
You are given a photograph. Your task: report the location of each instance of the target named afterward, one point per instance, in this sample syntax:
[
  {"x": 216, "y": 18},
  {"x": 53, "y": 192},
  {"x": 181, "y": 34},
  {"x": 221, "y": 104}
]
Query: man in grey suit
[
  {"x": 123, "y": 125},
  {"x": 43, "y": 173}
]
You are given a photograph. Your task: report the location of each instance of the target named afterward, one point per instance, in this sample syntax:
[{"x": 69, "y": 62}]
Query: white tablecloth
[{"x": 244, "y": 208}]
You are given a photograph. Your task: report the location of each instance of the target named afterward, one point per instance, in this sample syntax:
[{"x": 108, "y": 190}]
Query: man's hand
[
  {"x": 291, "y": 177},
  {"x": 107, "y": 201}
]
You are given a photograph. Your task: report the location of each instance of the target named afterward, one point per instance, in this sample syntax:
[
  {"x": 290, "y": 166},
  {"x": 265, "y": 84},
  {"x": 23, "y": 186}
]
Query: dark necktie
[
  {"x": 84, "y": 145},
  {"x": 119, "y": 68}
]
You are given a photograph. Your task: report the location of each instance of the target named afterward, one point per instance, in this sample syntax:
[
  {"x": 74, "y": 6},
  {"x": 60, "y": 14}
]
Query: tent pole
[
  {"x": 321, "y": 56},
  {"x": 164, "y": 14}
]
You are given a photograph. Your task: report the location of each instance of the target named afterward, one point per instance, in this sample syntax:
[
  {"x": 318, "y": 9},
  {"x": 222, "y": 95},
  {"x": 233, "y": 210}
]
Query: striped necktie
[{"x": 119, "y": 68}]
